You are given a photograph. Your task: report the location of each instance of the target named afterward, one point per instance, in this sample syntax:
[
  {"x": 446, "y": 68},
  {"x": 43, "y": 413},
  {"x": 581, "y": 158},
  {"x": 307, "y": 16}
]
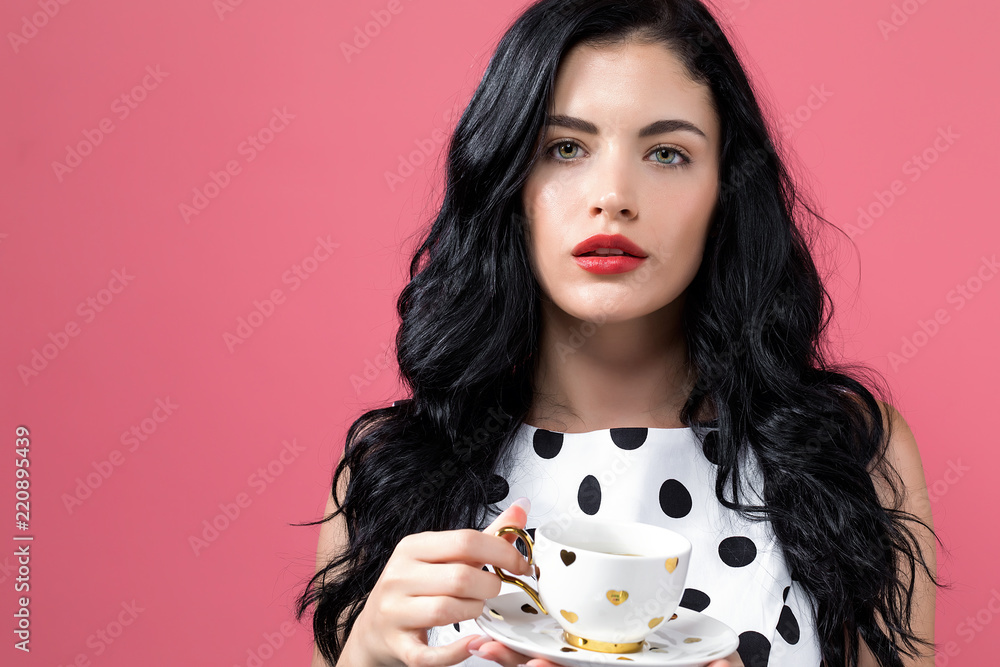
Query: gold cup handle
[{"x": 532, "y": 593}]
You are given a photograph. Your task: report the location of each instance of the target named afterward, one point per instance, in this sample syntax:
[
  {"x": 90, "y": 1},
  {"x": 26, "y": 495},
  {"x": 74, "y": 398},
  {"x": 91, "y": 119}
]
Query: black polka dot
[
  {"x": 629, "y": 438},
  {"x": 737, "y": 551},
  {"x": 711, "y": 447},
  {"x": 547, "y": 443},
  {"x": 521, "y": 546},
  {"x": 675, "y": 501},
  {"x": 497, "y": 489},
  {"x": 788, "y": 627},
  {"x": 784, "y": 593},
  {"x": 457, "y": 629},
  {"x": 694, "y": 600},
  {"x": 754, "y": 649},
  {"x": 589, "y": 495}
]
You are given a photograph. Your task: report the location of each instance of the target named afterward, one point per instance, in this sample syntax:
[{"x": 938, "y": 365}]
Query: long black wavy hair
[{"x": 754, "y": 320}]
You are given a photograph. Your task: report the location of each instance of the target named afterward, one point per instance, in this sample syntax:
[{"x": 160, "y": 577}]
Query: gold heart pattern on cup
[{"x": 617, "y": 597}]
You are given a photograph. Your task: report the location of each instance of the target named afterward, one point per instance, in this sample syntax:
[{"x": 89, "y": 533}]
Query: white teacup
[{"x": 608, "y": 585}]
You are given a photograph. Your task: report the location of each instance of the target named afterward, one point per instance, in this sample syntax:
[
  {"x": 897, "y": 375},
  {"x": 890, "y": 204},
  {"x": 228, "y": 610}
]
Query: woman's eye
[
  {"x": 568, "y": 150},
  {"x": 669, "y": 151},
  {"x": 564, "y": 145}
]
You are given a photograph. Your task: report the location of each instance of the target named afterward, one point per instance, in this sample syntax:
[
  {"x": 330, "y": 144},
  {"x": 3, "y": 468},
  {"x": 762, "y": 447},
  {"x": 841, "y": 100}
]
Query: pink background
[{"x": 318, "y": 360}]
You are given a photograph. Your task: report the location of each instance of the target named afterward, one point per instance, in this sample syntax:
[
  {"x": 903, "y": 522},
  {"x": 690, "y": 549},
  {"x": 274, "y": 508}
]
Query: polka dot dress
[{"x": 663, "y": 476}]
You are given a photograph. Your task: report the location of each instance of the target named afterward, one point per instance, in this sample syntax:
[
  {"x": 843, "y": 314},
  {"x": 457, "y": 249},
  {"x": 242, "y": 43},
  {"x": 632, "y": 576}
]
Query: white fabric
[{"x": 549, "y": 469}]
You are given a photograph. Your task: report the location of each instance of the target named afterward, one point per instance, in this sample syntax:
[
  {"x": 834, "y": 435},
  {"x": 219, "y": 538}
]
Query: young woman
[{"x": 681, "y": 381}]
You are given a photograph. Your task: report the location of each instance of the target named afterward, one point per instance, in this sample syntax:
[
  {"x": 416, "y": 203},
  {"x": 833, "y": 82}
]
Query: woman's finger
[
  {"x": 508, "y": 657},
  {"x": 515, "y": 515},
  {"x": 468, "y": 545},
  {"x": 458, "y": 580},
  {"x": 425, "y": 611},
  {"x": 415, "y": 652}
]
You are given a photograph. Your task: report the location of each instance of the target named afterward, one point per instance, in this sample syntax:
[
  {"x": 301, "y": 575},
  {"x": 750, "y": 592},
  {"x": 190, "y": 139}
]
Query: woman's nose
[{"x": 612, "y": 188}]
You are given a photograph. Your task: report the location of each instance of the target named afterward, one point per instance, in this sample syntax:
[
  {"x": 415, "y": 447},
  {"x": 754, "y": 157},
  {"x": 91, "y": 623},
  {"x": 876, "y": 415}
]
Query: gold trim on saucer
[{"x": 603, "y": 647}]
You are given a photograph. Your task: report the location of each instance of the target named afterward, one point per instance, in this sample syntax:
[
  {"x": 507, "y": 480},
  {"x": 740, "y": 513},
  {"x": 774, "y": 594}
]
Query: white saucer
[{"x": 507, "y": 619}]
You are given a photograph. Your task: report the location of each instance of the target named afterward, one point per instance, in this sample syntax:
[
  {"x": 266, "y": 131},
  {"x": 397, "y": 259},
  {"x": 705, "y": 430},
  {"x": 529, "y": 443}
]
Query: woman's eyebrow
[{"x": 658, "y": 127}]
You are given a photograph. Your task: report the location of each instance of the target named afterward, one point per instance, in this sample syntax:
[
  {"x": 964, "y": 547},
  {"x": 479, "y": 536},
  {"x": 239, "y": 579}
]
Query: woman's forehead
[{"x": 614, "y": 87}]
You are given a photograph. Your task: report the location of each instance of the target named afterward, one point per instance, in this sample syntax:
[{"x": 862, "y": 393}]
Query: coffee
[{"x": 600, "y": 547}]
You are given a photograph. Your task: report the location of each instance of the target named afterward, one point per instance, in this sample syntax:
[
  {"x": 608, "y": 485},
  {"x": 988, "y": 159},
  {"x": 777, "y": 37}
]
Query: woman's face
[{"x": 607, "y": 169}]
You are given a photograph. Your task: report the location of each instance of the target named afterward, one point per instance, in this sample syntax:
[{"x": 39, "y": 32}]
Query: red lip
[{"x": 608, "y": 241}]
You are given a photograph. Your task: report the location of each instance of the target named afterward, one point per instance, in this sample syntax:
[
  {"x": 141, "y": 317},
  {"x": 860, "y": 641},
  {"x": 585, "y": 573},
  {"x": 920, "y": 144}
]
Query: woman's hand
[{"x": 435, "y": 578}]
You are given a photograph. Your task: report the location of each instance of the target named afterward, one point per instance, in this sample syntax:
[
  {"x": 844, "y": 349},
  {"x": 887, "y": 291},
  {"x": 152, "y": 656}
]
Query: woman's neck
[{"x": 629, "y": 373}]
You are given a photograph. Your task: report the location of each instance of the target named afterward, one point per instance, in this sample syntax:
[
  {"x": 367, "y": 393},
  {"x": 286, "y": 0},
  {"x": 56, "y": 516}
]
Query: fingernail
[
  {"x": 523, "y": 503},
  {"x": 477, "y": 642},
  {"x": 478, "y": 654}
]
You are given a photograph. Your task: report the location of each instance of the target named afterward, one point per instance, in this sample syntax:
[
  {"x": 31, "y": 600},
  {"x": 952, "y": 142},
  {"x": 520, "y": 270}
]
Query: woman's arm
[
  {"x": 333, "y": 537},
  {"x": 903, "y": 454}
]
